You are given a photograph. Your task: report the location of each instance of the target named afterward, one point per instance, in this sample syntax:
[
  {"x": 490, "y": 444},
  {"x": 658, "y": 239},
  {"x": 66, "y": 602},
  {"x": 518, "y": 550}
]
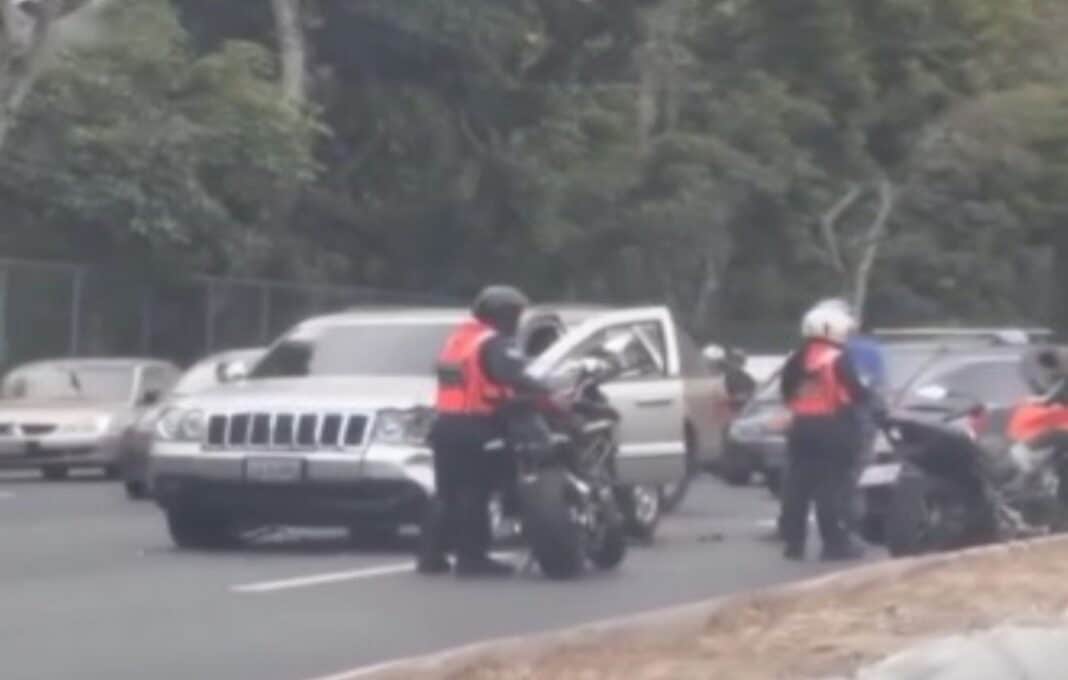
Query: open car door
[{"x": 650, "y": 398}]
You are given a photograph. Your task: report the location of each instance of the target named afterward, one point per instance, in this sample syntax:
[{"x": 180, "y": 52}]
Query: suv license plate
[
  {"x": 274, "y": 470},
  {"x": 878, "y": 475}
]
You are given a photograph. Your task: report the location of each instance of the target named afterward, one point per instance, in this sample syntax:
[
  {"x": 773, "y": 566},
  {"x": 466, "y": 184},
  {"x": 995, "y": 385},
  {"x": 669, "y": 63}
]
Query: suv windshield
[
  {"x": 407, "y": 349},
  {"x": 56, "y": 381}
]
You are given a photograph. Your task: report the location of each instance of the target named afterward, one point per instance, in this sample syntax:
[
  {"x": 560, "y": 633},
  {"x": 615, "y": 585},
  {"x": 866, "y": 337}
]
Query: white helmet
[{"x": 829, "y": 321}]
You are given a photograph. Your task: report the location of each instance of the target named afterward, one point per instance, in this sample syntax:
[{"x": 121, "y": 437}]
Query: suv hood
[{"x": 355, "y": 392}]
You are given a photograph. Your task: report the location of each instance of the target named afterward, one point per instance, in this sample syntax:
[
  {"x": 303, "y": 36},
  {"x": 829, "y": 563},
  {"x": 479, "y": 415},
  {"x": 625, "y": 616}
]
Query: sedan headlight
[
  {"x": 181, "y": 425},
  {"x": 403, "y": 427}
]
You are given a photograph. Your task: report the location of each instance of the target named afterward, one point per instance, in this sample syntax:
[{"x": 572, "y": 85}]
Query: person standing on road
[
  {"x": 822, "y": 390},
  {"x": 866, "y": 354},
  {"x": 479, "y": 370}
]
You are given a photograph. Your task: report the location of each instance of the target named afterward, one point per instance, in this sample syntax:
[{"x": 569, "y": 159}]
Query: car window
[
  {"x": 156, "y": 379},
  {"x": 540, "y": 339},
  {"x": 992, "y": 382},
  {"x": 649, "y": 349},
  {"x": 365, "y": 349},
  {"x": 70, "y": 381}
]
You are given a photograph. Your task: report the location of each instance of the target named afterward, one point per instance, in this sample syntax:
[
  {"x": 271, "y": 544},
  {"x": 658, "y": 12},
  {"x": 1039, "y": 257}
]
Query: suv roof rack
[{"x": 997, "y": 336}]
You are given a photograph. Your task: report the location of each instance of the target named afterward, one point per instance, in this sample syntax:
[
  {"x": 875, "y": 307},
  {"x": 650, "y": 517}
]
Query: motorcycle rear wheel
[{"x": 925, "y": 517}]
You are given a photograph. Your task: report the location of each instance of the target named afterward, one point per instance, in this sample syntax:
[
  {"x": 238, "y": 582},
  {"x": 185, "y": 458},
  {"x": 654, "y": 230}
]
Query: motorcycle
[
  {"x": 567, "y": 500},
  {"x": 941, "y": 487}
]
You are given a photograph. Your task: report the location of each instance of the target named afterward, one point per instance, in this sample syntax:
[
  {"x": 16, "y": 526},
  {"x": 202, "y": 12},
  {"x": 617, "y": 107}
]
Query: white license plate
[
  {"x": 274, "y": 470},
  {"x": 878, "y": 475}
]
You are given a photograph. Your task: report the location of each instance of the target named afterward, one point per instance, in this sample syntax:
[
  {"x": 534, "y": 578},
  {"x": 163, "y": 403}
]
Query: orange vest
[
  {"x": 463, "y": 387},
  {"x": 820, "y": 393},
  {"x": 1033, "y": 418}
]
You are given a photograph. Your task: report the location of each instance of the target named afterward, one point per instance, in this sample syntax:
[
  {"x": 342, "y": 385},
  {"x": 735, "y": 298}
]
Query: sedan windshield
[
  {"x": 356, "y": 349},
  {"x": 60, "y": 381}
]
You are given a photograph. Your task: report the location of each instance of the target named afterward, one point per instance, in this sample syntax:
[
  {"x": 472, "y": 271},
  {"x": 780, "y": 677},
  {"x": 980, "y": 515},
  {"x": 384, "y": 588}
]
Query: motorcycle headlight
[
  {"x": 181, "y": 425},
  {"x": 403, "y": 427}
]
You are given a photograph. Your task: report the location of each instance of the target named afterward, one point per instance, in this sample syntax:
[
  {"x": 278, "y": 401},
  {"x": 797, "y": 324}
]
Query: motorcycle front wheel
[{"x": 550, "y": 526}]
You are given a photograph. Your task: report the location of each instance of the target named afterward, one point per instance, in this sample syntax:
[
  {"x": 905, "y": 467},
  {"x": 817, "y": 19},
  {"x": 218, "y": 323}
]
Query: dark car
[
  {"x": 974, "y": 391},
  {"x": 930, "y": 376}
]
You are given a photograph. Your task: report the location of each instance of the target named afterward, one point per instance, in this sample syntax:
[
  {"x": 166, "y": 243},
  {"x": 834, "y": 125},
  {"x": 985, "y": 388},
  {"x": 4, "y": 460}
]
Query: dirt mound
[{"x": 823, "y": 631}]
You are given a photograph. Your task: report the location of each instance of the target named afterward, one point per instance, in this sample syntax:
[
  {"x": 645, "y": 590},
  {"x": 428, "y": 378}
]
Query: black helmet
[{"x": 500, "y": 307}]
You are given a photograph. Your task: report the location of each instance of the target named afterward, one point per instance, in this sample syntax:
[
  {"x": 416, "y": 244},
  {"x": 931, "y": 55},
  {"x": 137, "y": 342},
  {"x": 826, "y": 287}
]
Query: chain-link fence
[{"x": 53, "y": 309}]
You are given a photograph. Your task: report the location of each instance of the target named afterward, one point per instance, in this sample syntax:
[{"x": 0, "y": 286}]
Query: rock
[{"x": 1009, "y": 652}]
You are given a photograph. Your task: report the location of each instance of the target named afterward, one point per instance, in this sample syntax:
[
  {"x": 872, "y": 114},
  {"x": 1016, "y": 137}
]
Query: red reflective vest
[
  {"x": 1033, "y": 418},
  {"x": 463, "y": 386},
  {"x": 821, "y": 392}
]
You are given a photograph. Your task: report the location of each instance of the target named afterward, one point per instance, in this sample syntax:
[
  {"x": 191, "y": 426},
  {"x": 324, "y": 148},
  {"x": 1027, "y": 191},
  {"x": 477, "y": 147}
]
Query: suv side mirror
[
  {"x": 150, "y": 398},
  {"x": 231, "y": 371}
]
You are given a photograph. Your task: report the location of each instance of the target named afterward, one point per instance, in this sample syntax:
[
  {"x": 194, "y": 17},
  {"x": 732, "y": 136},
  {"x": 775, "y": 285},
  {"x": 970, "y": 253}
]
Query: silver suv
[{"x": 329, "y": 428}]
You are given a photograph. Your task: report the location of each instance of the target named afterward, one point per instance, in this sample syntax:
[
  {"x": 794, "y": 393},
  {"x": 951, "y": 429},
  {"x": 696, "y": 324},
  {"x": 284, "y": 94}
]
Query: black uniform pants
[
  {"x": 821, "y": 470},
  {"x": 457, "y": 519}
]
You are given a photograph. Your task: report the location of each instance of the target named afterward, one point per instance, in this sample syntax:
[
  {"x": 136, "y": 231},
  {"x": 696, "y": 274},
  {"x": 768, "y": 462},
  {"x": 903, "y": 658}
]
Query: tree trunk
[
  {"x": 828, "y": 229},
  {"x": 292, "y": 49},
  {"x": 1059, "y": 313},
  {"x": 870, "y": 249},
  {"x": 25, "y": 32}
]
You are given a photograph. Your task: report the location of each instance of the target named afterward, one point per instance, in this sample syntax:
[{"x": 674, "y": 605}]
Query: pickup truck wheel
[
  {"x": 197, "y": 529},
  {"x": 54, "y": 472},
  {"x": 641, "y": 507},
  {"x": 672, "y": 495}
]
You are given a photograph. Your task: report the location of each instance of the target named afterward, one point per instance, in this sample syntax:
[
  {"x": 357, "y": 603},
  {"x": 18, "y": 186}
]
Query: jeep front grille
[{"x": 286, "y": 430}]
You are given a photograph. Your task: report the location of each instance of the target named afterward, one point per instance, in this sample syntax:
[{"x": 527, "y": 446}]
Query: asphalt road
[{"x": 90, "y": 587}]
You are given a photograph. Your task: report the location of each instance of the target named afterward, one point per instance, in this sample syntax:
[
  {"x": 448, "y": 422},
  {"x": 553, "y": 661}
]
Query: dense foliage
[{"x": 693, "y": 151}]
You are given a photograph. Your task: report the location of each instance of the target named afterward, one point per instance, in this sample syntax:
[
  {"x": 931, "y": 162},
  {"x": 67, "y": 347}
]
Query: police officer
[
  {"x": 866, "y": 354},
  {"x": 822, "y": 391},
  {"x": 480, "y": 369}
]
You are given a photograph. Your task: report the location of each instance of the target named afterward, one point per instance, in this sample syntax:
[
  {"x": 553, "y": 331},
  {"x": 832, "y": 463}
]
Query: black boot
[{"x": 794, "y": 553}]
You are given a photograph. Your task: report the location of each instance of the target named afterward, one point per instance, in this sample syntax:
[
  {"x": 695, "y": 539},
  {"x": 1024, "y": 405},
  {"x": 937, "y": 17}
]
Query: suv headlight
[
  {"x": 181, "y": 425},
  {"x": 403, "y": 427}
]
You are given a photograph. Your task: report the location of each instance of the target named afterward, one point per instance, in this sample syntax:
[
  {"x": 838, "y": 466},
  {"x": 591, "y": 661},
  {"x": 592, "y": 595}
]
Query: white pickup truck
[{"x": 329, "y": 427}]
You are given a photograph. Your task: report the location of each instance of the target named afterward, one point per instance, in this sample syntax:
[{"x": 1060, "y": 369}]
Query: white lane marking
[
  {"x": 362, "y": 671},
  {"x": 334, "y": 577},
  {"x": 322, "y": 579},
  {"x": 6, "y": 495}
]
